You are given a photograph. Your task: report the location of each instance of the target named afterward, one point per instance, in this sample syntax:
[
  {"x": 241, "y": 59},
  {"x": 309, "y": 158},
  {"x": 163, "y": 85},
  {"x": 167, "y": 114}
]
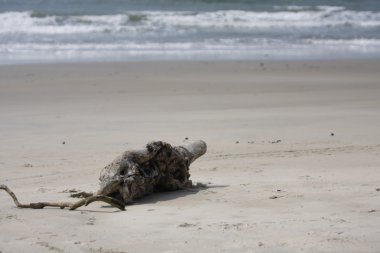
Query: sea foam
[
  {"x": 239, "y": 32},
  {"x": 28, "y": 22}
]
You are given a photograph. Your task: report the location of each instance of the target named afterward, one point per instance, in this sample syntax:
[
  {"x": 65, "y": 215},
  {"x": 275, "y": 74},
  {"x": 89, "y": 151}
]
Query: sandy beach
[{"x": 293, "y": 161}]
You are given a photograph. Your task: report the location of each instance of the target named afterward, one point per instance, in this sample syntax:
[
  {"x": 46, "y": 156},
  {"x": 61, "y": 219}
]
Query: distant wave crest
[{"x": 161, "y": 21}]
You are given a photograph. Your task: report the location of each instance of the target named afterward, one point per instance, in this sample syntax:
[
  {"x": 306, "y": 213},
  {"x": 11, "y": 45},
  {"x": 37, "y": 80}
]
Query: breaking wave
[
  {"x": 292, "y": 16},
  {"x": 239, "y": 32}
]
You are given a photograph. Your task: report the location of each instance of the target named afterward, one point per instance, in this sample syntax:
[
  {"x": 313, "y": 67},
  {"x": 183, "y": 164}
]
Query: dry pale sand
[{"x": 278, "y": 181}]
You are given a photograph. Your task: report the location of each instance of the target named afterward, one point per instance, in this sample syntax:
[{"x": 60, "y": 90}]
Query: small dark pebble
[
  {"x": 186, "y": 138},
  {"x": 273, "y": 197},
  {"x": 372, "y": 211},
  {"x": 332, "y": 134},
  {"x": 378, "y": 189},
  {"x": 237, "y": 142},
  {"x": 63, "y": 142},
  {"x": 278, "y": 141},
  {"x": 278, "y": 190},
  {"x": 260, "y": 244}
]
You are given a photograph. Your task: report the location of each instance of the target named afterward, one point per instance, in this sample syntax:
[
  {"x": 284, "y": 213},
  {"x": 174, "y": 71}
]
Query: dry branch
[{"x": 62, "y": 205}]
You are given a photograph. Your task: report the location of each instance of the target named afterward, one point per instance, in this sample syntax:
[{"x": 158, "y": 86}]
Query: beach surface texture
[{"x": 293, "y": 161}]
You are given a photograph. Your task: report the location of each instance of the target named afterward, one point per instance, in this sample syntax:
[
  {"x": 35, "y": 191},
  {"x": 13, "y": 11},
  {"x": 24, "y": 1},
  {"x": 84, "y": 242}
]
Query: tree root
[{"x": 71, "y": 206}]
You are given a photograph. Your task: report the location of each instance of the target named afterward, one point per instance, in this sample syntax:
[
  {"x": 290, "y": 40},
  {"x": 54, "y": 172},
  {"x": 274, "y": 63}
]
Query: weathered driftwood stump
[{"x": 134, "y": 174}]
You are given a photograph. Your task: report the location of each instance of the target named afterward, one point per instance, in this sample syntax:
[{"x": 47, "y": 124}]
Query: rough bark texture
[
  {"x": 159, "y": 167},
  {"x": 134, "y": 174}
]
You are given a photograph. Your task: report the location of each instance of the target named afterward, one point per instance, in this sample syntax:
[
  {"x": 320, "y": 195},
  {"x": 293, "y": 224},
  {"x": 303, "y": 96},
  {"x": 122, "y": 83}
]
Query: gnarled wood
[
  {"x": 158, "y": 167},
  {"x": 134, "y": 174}
]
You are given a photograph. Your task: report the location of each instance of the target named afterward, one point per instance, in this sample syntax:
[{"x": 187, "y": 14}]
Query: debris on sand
[{"x": 135, "y": 174}]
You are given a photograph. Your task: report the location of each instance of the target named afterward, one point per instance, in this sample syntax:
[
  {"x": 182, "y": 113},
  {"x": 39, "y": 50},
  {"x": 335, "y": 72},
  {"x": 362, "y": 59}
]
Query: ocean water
[{"x": 113, "y": 30}]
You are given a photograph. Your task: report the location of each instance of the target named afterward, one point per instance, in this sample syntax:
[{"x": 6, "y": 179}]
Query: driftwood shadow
[{"x": 171, "y": 195}]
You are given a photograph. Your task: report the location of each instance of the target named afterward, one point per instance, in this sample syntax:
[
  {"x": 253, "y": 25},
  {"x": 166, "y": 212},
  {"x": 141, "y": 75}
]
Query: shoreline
[
  {"x": 200, "y": 60},
  {"x": 362, "y": 64}
]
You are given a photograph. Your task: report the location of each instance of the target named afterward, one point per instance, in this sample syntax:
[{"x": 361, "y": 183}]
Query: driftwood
[{"x": 134, "y": 174}]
